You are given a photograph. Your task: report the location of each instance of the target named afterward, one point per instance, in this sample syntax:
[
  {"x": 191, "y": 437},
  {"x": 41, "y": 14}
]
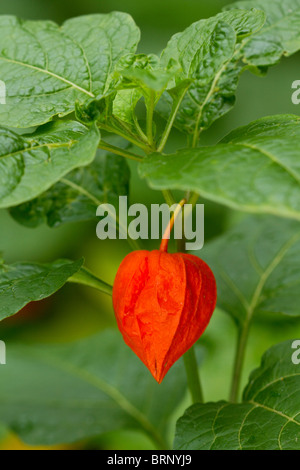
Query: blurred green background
[{"x": 75, "y": 312}]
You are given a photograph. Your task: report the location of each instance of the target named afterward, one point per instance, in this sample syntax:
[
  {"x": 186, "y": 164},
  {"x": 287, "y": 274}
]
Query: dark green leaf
[
  {"x": 32, "y": 163},
  {"x": 204, "y": 44},
  {"x": 280, "y": 35},
  {"x": 22, "y": 283},
  {"x": 76, "y": 197},
  {"x": 255, "y": 169},
  {"x": 208, "y": 52},
  {"x": 46, "y": 68},
  {"x": 55, "y": 394},
  {"x": 268, "y": 418},
  {"x": 257, "y": 267}
]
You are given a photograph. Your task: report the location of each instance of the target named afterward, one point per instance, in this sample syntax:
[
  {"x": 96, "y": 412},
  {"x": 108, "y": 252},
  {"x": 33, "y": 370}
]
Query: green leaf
[
  {"x": 22, "y": 283},
  {"x": 268, "y": 418},
  {"x": 65, "y": 393},
  {"x": 30, "y": 164},
  {"x": 256, "y": 265},
  {"x": 208, "y": 52},
  {"x": 146, "y": 77},
  {"x": 257, "y": 47},
  {"x": 255, "y": 169},
  {"x": 195, "y": 45},
  {"x": 76, "y": 197},
  {"x": 145, "y": 72},
  {"x": 124, "y": 105},
  {"x": 280, "y": 35},
  {"x": 46, "y": 68}
]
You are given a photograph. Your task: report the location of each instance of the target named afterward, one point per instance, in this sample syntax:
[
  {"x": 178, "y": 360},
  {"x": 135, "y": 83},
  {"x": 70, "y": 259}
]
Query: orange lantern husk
[{"x": 163, "y": 303}]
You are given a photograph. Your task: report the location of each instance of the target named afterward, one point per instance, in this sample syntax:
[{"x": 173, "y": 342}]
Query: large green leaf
[
  {"x": 257, "y": 267},
  {"x": 22, "y": 283},
  {"x": 268, "y": 418},
  {"x": 46, "y": 68},
  {"x": 209, "y": 53},
  {"x": 55, "y": 394},
  {"x": 255, "y": 169},
  {"x": 280, "y": 35},
  {"x": 32, "y": 163},
  {"x": 78, "y": 194}
]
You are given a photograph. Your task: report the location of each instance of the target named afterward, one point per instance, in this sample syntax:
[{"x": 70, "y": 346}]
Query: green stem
[
  {"x": 125, "y": 136},
  {"x": 87, "y": 278},
  {"x": 193, "y": 377},
  {"x": 243, "y": 335},
  {"x": 196, "y": 137},
  {"x": 170, "y": 122},
  {"x": 118, "y": 151},
  {"x": 193, "y": 199},
  {"x": 169, "y": 198},
  {"x": 139, "y": 129},
  {"x": 150, "y": 111}
]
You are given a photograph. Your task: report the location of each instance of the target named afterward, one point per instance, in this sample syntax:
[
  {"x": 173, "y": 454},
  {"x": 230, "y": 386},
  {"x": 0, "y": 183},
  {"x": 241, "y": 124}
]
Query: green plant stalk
[
  {"x": 193, "y": 199},
  {"x": 169, "y": 198},
  {"x": 170, "y": 122},
  {"x": 139, "y": 129},
  {"x": 87, "y": 278},
  {"x": 118, "y": 151},
  {"x": 193, "y": 378},
  {"x": 125, "y": 136},
  {"x": 242, "y": 340},
  {"x": 150, "y": 112}
]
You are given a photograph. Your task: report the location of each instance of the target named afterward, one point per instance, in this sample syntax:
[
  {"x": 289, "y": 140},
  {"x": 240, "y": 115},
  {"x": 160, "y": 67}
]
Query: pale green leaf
[
  {"x": 145, "y": 71},
  {"x": 124, "y": 105}
]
